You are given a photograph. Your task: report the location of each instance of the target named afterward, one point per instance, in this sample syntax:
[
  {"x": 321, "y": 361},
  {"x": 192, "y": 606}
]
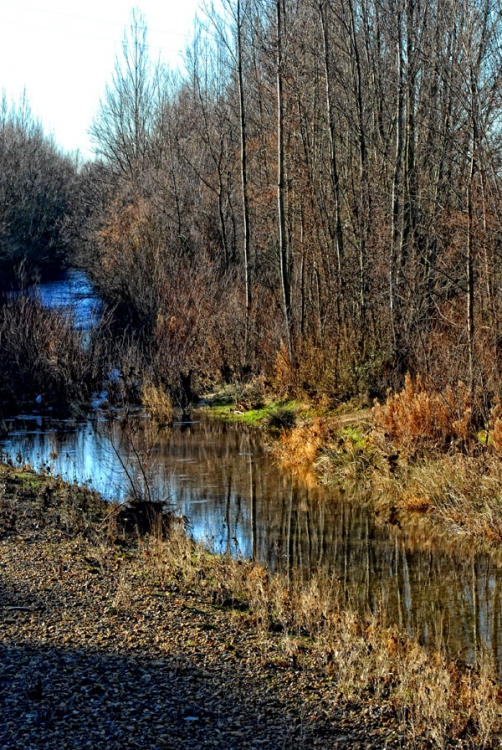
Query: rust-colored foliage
[
  {"x": 495, "y": 429},
  {"x": 300, "y": 446},
  {"x": 419, "y": 416}
]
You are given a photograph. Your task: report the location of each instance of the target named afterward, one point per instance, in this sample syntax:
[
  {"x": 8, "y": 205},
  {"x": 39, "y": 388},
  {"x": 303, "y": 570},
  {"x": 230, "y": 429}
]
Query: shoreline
[
  {"x": 418, "y": 463},
  {"x": 160, "y": 643}
]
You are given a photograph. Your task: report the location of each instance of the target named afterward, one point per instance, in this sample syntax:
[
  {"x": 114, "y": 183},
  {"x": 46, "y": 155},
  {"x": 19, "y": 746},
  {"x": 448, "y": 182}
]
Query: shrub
[
  {"x": 420, "y": 418},
  {"x": 157, "y": 402},
  {"x": 282, "y": 419}
]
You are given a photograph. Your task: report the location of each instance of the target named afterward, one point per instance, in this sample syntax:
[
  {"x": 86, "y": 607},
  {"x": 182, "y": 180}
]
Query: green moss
[
  {"x": 255, "y": 417},
  {"x": 482, "y": 437}
]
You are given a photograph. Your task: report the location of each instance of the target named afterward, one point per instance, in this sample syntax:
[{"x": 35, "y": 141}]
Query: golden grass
[
  {"x": 300, "y": 446},
  {"x": 461, "y": 493},
  {"x": 419, "y": 417},
  {"x": 437, "y": 701},
  {"x": 416, "y": 452},
  {"x": 157, "y": 402}
]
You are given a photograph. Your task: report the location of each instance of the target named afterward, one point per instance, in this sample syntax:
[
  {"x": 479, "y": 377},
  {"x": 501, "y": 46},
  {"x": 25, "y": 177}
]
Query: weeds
[
  {"x": 463, "y": 493},
  {"x": 420, "y": 419},
  {"x": 300, "y": 446},
  {"x": 158, "y": 404},
  {"x": 431, "y": 461},
  {"x": 44, "y": 359},
  {"x": 438, "y": 701}
]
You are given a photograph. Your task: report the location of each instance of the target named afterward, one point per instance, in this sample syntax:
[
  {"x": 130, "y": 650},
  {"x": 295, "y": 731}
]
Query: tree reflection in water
[{"x": 240, "y": 502}]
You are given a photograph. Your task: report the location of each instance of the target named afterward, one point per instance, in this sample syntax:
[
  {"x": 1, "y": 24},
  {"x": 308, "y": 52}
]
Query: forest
[
  {"x": 308, "y": 214},
  {"x": 314, "y": 201}
]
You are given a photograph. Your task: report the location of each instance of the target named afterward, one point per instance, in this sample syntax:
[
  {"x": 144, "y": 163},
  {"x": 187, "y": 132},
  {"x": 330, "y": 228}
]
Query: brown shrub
[
  {"x": 300, "y": 446},
  {"x": 420, "y": 417},
  {"x": 43, "y": 355}
]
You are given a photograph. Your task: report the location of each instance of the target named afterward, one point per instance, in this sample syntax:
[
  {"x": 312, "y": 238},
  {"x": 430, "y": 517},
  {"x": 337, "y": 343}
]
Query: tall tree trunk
[
  {"x": 244, "y": 178},
  {"x": 336, "y": 231},
  {"x": 394, "y": 276},
  {"x": 364, "y": 209},
  {"x": 470, "y": 241},
  {"x": 284, "y": 258}
]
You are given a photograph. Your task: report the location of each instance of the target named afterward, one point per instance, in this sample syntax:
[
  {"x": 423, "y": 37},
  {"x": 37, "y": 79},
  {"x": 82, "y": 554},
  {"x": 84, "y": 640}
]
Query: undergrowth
[
  {"x": 421, "y": 452},
  {"x": 419, "y": 418}
]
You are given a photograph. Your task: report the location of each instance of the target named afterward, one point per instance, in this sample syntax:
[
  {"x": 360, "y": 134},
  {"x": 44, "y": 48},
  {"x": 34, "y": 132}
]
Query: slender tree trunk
[
  {"x": 283, "y": 239},
  {"x": 244, "y": 178},
  {"x": 396, "y": 196},
  {"x": 364, "y": 209},
  {"x": 470, "y": 260},
  {"x": 336, "y": 230}
]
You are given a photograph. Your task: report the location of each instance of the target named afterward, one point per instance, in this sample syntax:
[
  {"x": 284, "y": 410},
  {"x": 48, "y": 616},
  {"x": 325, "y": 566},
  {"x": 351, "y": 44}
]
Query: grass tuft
[{"x": 159, "y": 405}]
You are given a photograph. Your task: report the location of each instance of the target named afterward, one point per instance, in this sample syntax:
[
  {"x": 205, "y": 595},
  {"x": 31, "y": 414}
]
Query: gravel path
[{"x": 97, "y": 652}]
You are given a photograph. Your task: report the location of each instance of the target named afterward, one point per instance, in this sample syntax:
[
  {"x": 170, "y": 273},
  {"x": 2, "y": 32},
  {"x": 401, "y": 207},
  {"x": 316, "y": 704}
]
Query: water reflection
[{"x": 240, "y": 502}]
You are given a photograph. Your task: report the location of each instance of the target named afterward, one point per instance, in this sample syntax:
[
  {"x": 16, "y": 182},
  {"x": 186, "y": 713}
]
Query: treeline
[
  {"x": 318, "y": 195},
  {"x": 38, "y": 199},
  {"x": 315, "y": 200}
]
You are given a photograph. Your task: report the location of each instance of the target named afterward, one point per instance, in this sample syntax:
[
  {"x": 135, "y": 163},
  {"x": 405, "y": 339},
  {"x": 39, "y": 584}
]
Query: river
[
  {"x": 238, "y": 500},
  {"x": 72, "y": 291}
]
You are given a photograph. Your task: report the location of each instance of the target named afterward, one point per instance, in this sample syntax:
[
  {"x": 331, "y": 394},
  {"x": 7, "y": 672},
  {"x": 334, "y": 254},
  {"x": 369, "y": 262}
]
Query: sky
[{"x": 62, "y": 53}]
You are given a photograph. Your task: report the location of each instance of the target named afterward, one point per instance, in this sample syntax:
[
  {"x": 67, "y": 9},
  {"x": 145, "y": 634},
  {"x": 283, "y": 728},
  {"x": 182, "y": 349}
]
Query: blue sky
[{"x": 62, "y": 52}]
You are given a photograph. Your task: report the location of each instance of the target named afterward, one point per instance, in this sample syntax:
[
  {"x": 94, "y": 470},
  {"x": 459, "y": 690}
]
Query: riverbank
[
  {"x": 417, "y": 454},
  {"x": 113, "y": 640}
]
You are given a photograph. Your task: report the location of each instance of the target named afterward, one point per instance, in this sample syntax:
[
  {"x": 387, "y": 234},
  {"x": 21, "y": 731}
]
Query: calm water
[
  {"x": 74, "y": 292},
  {"x": 238, "y": 500}
]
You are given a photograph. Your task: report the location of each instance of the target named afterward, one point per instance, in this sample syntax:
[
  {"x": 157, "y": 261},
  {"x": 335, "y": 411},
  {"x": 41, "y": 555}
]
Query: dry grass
[
  {"x": 300, "y": 446},
  {"x": 437, "y": 701},
  {"x": 431, "y": 462},
  {"x": 416, "y": 453},
  {"x": 493, "y": 437},
  {"x": 419, "y": 418},
  {"x": 158, "y": 403},
  {"x": 463, "y": 493}
]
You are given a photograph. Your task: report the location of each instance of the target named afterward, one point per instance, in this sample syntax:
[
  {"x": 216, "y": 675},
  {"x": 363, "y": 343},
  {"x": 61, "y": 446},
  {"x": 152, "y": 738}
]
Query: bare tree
[{"x": 123, "y": 126}]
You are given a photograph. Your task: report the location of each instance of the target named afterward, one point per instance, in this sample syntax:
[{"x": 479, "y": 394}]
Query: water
[
  {"x": 239, "y": 501},
  {"x": 74, "y": 292}
]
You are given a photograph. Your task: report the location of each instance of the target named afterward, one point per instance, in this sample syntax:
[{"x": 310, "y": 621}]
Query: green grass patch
[
  {"x": 224, "y": 412},
  {"x": 354, "y": 435},
  {"x": 255, "y": 417}
]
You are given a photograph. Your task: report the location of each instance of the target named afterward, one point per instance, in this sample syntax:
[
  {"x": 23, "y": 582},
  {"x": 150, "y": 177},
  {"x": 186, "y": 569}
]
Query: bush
[
  {"x": 44, "y": 358},
  {"x": 420, "y": 418},
  {"x": 282, "y": 419}
]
